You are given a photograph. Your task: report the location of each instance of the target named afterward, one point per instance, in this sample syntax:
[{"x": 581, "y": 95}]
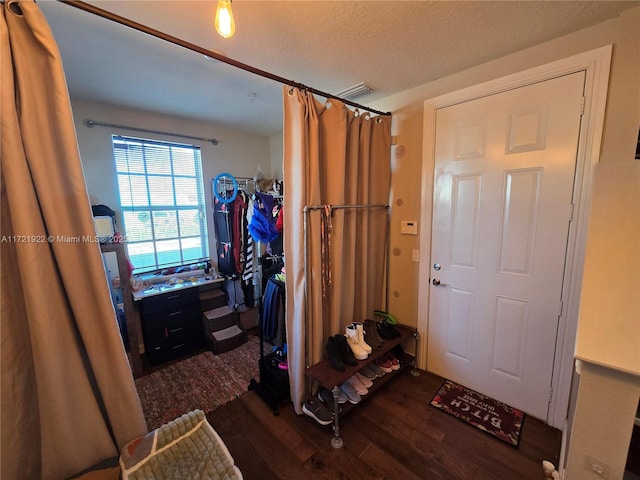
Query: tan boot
[
  {"x": 360, "y": 329},
  {"x": 351, "y": 333}
]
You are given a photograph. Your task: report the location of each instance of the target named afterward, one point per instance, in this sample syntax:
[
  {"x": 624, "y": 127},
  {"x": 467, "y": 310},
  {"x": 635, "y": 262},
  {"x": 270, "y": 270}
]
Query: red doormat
[{"x": 485, "y": 413}]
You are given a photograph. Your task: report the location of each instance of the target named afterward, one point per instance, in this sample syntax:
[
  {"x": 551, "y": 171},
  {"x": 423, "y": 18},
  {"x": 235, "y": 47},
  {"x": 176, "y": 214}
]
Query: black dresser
[{"x": 171, "y": 324}]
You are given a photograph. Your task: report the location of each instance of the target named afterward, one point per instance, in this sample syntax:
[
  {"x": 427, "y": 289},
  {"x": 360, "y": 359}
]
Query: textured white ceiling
[{"x": 329, "y": 45}]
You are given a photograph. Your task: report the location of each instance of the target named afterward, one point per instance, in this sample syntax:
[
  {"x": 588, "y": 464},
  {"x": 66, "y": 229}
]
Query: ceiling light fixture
[
  {"x": 225, "y": 25},
  {"x": 355, "y": 91}
]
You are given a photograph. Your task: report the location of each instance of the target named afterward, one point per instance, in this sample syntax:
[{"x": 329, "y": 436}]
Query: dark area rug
[
  {"x": 489, "y": 415},
  {"x": 204, "y": 381}
]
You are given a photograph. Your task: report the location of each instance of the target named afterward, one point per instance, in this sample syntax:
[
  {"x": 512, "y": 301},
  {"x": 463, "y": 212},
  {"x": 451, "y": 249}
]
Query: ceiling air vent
[{"x": 355, "y": 91}]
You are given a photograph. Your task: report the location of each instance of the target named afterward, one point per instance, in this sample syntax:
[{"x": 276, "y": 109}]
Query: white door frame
[{"x": 596, "y": 64}]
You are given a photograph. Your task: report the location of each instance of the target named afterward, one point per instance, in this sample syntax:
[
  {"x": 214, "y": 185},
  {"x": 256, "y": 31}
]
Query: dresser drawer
[
  {"x": 169, "y": 337},
  {"x": 170, "y": 301},
  {"x": 187, "y": 316},
  {"x": 165, "y": 351}
]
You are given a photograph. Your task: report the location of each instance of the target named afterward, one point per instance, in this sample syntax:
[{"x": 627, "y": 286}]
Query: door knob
[{"x": 436, "y": 282}]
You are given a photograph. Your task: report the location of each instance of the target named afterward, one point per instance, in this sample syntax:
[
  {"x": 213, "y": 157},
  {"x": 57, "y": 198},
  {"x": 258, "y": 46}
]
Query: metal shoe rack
[{"x": 331, "y": 379}]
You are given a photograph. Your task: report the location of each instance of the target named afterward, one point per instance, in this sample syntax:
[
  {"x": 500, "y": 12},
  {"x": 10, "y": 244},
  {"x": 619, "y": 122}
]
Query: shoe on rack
[
  {"x": 351, "y": 393},
  {"x": 351, "y": 333},
  {"x": 378, "y": 370},
  {"x": 386, "y": 331},
  {"x": 395, "y": 363},
  {"x": 317, "y": 410},
  {"x": 326, "y": 397},
  {"x": 360, "y": 329},
  {"x": 342, "y": 397},
  {"x": 371, "y": 333},
  {"x": 384, "y": 364},
  {"x": 357, "y": 385},
  {"x": 398, "y": 352},
  {"x": 364, "y": 380},
  {"x": 346, "y": 354},
  {"x": 369, "y": 372},
  {"x": 335, "y": 359}
]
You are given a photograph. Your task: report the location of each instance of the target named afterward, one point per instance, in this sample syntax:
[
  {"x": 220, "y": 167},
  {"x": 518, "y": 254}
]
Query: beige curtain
[
  {"x": 333, "y": 156},
  {"x": 68, "y": 398}
]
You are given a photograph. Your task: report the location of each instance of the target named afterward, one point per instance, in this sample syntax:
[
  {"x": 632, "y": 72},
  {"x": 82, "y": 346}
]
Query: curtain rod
[
  {"x": 209, "y": 53},
  {"x": 93, "y": 123}
]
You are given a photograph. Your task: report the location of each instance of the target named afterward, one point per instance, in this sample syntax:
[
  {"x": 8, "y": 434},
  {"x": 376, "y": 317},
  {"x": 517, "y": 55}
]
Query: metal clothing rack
[
  {"x": 336, "y": 441},
  {"x": 258, "y": 386},
  {"x": 224, "y": 183},
  {"x": 326, "y": 275},
  {"x": 221, "y": 185},
  {"x": 328, "y": 209},
  {"x": 247, "y": 184}
]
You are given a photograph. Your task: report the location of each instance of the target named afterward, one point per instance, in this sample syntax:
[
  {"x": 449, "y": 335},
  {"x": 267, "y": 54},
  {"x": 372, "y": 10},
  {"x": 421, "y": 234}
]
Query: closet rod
[
  {"x": 209, "y": 53},
  {"x": 93, "y": 123}
]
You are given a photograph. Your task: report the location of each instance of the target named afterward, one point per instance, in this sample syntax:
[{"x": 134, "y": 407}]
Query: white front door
[{"x": 503, "y": 187}]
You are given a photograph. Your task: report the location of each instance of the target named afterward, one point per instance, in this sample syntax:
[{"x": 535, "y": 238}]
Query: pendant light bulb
[{"x": 225, "y": 25}]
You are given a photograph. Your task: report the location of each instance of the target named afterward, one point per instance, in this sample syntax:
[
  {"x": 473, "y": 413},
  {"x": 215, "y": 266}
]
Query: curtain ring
[
  {"x": 328, "y": 105},
  {"x": 291, "y": 91},
  {"x": 367, "y": 117},
  {"x": 356, "y": 113},
  {"x": 14, "y": 8},
  {"x": 379, "y": 120}
]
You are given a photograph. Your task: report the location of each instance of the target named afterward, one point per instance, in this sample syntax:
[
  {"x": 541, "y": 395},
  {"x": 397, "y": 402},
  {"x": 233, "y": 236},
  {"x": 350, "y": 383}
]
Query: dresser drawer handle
[
  {"x": 178, "y": 346},
  {"x": 176, "y": 329},
  {"x": 175, "y": 313},
  {"x": 171, "y": 297}
]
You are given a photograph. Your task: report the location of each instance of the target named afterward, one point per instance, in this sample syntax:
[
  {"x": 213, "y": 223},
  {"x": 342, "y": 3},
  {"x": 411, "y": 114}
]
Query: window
[{"x": 162, "y": 199}]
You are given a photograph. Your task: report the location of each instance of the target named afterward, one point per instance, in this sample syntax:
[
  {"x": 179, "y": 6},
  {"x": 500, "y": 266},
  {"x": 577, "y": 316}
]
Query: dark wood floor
[{"x": 394, "y": 434}]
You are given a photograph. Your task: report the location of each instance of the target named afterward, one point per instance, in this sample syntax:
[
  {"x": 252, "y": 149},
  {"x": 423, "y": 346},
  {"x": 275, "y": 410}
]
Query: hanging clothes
[
  {"x": 222, "y": 221},
  {"x": 262, "y": 226},
  {"x": 273, "y": 313}
]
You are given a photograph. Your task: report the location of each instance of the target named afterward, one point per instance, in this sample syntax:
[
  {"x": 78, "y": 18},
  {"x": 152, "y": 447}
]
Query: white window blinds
[{"x": 162, "y": 199}]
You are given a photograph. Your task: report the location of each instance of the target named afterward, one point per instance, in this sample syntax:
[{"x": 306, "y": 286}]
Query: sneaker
[
  {"x": 342, "y": 397},
  {"x": 351, "y": 393},
  {"x": 317, "y": 410},
  {"x": 378, "y": 370},
  {"x": 357, "y": 385},
  {"x": 363, "y": 380},
  {"x": 395, "y": 363},
  {"x": 369, "y": 372},
  {"x": 384, "y": 364},
  {"x": 326, "y": 397}
]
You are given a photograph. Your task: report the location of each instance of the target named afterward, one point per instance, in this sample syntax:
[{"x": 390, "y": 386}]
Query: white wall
[
  {"x": 277, "y": 155},
  {"x": 236, "y": 153}
]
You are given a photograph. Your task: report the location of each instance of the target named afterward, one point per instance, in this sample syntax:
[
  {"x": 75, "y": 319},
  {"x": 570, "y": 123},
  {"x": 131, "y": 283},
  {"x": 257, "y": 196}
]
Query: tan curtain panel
[
  {"x": 335, "y": 261},
  {"x": 68, "y": 398}
]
